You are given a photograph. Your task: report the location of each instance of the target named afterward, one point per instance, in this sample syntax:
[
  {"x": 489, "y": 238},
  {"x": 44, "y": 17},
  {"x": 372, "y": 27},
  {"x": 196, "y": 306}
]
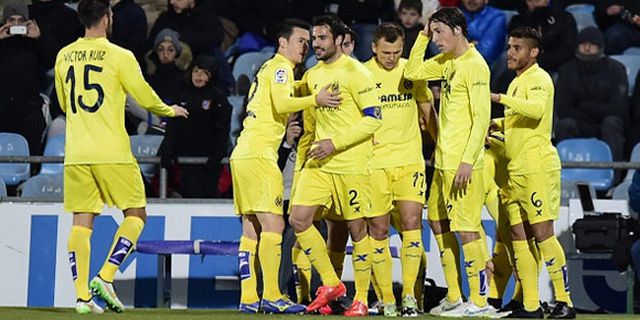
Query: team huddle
[{"x": 359, "y": 167}]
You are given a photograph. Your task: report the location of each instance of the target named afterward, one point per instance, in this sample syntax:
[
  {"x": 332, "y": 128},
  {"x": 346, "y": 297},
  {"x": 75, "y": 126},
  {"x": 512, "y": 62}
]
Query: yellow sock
[
  {"x": 382, "y": 268},
  {"x": 527, "y": 274},
  {"x": 376, "y": 287},
  {"x": 247, "y": 265},
  {"x": 125, "y": 239},
  {"x": 556, "y": 264},
  {"x": 362, "y": 268},
  {"x": 315, "y": 249},
  {"x": 302, "y": 274},
  {"x": 476, "y": 273},
  {"x": 79, "y": 247},
  {"x": 517, "y": 291},
  {"x": 533, "y": 248},
  {"x": 419, "y": 287},
  {"x": 411, "y": 258},
  {"x": 450, "y": 260},
  {"x": 270, "y": 253},
  {"x": 483, "y": 237},
  {"x": 502, "y": 271},
  {"x": 337, "y": 261}
]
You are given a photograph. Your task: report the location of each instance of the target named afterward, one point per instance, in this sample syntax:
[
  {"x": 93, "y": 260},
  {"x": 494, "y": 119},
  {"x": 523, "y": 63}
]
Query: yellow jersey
[
  {"x": 399, "y": 141},
  {"x": 350, "y": 130},
  {"x": 92, "y": 78},
  {"x": 495, "y": 162},
  {"x": 465, "y": 102},
  {"x": 271, "y": 99},
  {"x": 528, "y": 120}
]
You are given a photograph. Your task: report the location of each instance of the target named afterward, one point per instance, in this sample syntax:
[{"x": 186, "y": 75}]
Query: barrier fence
[{"x": 203, "y": 160}]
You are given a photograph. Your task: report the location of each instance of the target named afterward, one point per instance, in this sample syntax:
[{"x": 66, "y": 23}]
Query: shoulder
[
  {"x": 543, "y": 77},
  {"x": 475, "y": 63},
  {"x": 615, "y": 65},
  {"x": 495, "y": 13},
  {"x": 356, "y": 66}
]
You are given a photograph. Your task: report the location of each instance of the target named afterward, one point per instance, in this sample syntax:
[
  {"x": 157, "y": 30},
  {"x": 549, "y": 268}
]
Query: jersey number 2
[{"x": 71, "y": 77}]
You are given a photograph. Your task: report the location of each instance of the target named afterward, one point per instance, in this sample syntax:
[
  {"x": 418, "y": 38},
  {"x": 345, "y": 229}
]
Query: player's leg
[
  {"x": 337, "y": 237},
  {"x": 81, "y": 196},
  {"x": 317, "y": 186},
  {"x": 269, "y": 253},
  {"x": 447, "y": 244},
  {"x": 465, "y": 216},
  {"x": 381, "y": 261},
  {"x": 362, "y": 257},
  {"x": 248, "y": 265},
  {"x": 547, "y": 207}
]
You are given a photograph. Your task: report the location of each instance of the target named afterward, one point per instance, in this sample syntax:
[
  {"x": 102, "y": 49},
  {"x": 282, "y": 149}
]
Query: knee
[
  {"x": 379, "y": 231},
  {"x": 542, "y": 231},
  {"x": 298, "y": 224},
  {"x": 357, "y": 231},
  {"x": 438, "y": 227},
  {"x": 411, "y": 223},
  {"x": 468, "y": 237},
  {"x": 136, "y": 212}
]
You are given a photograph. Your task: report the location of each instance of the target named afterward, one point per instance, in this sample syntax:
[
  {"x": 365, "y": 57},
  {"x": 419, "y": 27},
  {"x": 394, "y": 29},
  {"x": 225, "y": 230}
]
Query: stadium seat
[
  {"x": 237, "y": 115},
  {"x": 49, "y": 186},
  {"x": 509, "y": 14},
  {"x": 632, "y": 63},
  {"x": 633, "y": 51},
  {"x": 586, "y": 150},
  {"x": 249, "y": 63},
  {"x": 583, "y": 14},
  {"x": 54, "y": 148},
  {"x": 146, "y": 146},
  {"x": 621, "y": 191},
  {"x": 3, "y": 189},
  {"x": 12, "y": 144},
  {"x": 635, "y": 157}
]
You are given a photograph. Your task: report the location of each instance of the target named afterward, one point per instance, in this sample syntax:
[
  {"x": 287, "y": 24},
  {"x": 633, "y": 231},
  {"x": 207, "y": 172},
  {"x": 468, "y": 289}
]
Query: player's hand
[
  {"x": 293, "y": 131},
  {"x": 321, "y": 149},
  {"x": 180, "y": 111},
  {"x": 33, "y": 31},
  {"x": 463, "y": 176},
  {"x": 4, "y": 32},
  {"x": 326, "y": 98},
  {"x": 426, "y": 31},
  {"x": 495, "y": 97}
]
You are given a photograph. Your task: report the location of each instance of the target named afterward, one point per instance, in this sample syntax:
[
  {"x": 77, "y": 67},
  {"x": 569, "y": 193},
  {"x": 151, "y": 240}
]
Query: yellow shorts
[
  {"x": 88, "y": 187},
  {"x": 463, "y": 208},
  {"x": 403, "y": 183},
  {"x": 257, "y": 186},
  {"x": 348, "y": 193},
  {"x": 323, "y": 213},
  {"x": 537, "y": 195}
]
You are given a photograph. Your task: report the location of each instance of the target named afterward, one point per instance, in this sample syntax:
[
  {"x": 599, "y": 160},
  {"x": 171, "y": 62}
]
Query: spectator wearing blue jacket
[
  {"x": 634, "y": 203},
  {"x": 487, "y": 28}
]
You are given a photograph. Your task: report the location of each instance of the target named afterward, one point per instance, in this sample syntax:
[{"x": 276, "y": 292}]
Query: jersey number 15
[{"x": 88, "y": 86}]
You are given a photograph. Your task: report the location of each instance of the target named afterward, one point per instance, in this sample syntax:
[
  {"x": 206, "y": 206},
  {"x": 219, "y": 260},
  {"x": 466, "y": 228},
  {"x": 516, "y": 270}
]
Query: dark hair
[
  {"x": 285, "y": 28},
  {"x": 90, "y": 12},
  {"x": 452, "y": 17},
  {"x": 333, "y": 22},
  {"x": 411, "y": 4},
  {"x": 388, "y": 31},
  {"x": 531, "y": 35},
  {"x": 349, "y": 31}
]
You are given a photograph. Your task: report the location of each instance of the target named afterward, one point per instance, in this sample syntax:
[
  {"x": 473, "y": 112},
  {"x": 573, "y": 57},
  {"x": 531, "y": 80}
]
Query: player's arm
[
  {"x": 480, "y": 104},
  {"x": 417, "y": 68},
  {"x": 283, "y": 88},
  {"x": 59, "y": 82},
  {"x": 135, "y": 85},
  {"x": 534, "y": 106},
  {"x": 427, "y": 112},
  {"x": 496, "y": 124},
  {"x": 364, "y": 94},
  {"x": 308, "y": 135}
]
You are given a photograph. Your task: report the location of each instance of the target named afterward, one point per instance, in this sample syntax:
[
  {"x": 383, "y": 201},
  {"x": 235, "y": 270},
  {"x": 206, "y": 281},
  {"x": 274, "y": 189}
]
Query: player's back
[
  {"x": 263, "y": 126},
  {"x": 91, "y": 93}
]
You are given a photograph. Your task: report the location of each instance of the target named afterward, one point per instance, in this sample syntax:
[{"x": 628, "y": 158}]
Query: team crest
[
  {"x": 281, "y": 76},
  {"x": 206, "y": 104},
  {"x": 408, "y": 84},
  {"x": 335, "y": 86},
  {"x": 278, "y": 201}
]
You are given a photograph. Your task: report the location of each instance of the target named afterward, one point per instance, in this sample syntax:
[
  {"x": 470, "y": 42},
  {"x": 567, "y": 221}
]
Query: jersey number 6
[{"x": 71, "y": 76}]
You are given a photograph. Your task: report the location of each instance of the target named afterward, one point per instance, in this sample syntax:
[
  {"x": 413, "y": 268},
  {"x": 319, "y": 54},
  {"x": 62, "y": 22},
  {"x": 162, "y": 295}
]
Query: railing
[{"x": 203, "y": 160}]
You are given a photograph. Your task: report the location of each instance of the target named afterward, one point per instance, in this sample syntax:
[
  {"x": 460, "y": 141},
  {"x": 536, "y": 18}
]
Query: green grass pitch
[{"x": 165, "y": 314}]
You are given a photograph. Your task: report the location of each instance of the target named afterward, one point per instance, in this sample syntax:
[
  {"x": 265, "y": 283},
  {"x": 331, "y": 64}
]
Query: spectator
[
  {"x": 56, "y": 21},
  {"x": 621, "y": 21},
  {"x": 166, "y": 64},
  {"x": 634, "y": 110},
  {"x": 487, "y": 27},
  {"x": 365, "y": 11},
  {"x": 634, "y": 203},
  {"x": 195, "y": 21},
  {"x": 558, "y": 28},
  {"x": 129, "y": 27},
  {"x": 204, "y": 134},
  {"x": 591, "y": 95},
  {"x": 349, "y": 42},
  {"x": 24, "y": 56},
  {"x": 409, "y": 16},
  {"x": 511, "y": 5}
]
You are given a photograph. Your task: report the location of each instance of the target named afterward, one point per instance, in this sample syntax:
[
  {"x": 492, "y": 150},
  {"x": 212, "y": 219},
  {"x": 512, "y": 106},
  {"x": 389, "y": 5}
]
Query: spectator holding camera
[
  {"x": 621, "y": 21},
  {"x": 24, "y": 56}
]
